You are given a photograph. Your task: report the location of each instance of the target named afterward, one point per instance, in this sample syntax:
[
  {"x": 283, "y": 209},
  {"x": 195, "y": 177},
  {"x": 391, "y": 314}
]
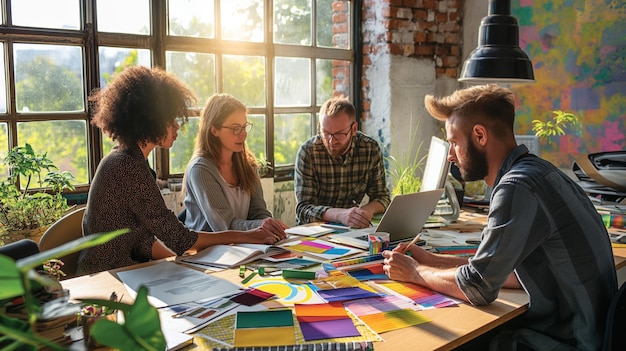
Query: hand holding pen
[{"x": 413, "y": 242}]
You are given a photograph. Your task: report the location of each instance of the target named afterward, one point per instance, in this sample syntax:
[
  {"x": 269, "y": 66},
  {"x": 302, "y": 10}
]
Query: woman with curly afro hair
[{"x": 139, "y": 110}]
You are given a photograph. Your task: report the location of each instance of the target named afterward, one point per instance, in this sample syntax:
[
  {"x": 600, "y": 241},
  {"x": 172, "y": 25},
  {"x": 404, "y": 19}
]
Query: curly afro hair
[{"x": 139, "y": 104}]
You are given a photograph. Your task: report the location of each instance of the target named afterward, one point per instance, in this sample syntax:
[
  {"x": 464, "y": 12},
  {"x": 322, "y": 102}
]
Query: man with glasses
[{"x": 337, "y": 168}]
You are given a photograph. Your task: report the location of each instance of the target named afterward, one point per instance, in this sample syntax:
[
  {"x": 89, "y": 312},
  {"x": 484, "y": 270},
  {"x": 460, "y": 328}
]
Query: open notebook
[
  {"x": 228, "y": 256},
  {"x": 404, "y": 218}
]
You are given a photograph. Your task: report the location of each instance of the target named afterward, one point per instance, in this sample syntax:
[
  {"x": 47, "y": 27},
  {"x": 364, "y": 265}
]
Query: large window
[{"x": 281, "y": 58}]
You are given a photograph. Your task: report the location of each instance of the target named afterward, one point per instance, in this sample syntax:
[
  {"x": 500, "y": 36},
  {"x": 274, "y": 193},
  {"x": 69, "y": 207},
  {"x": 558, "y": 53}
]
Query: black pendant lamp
[{"x": 498, "y": 57}]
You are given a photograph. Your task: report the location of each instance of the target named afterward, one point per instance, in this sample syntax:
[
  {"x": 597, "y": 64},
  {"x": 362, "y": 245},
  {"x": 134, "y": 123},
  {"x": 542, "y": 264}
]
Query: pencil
[{"x": 406, "y": 248}]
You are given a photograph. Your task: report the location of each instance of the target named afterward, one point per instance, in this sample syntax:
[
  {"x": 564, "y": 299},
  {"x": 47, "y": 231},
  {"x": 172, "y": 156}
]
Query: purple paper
[
  {"x": 343, "y": 294},
  {"x": 337, "y": 328}
]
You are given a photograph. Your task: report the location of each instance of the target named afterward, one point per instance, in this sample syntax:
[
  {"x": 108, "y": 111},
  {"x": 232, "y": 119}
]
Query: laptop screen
[{"x": 437, "y": 165}]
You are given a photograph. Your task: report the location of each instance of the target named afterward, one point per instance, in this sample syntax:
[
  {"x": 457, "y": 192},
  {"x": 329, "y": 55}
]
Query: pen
[{"x": 406, "y": 248}]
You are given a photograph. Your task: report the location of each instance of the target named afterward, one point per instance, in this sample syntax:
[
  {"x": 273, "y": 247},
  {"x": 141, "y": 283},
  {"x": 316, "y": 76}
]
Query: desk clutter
[
  {"x": 304, "y": 293},
  {"x": 309, "y": 295}
]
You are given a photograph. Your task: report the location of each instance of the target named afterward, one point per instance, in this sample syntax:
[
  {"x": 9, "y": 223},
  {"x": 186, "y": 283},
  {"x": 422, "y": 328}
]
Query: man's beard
[
  {"x": 475, "y": 165},
  {"x": 340, "y": 151}
]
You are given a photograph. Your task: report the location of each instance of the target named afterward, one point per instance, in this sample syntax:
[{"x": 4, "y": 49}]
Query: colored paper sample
[
  {"x": 251, "y": 337},
  {"x": 386, "y": 313},
  {"x": 264, "y": 319},
  {"x": 320, "y": 248},
  {"x": 264, "y": 328},
  {"x": 424, "y": 297},
  {"x": 325, "y": 321},
  {"x": 344, "y": 294},
  {"x": 387, "y": 321},
  {"x": 373, "y": 271},
  {"x": 251, "y": 297},
  {"x": 337, "y": 328},
  {"x": 287, "y": 293}
]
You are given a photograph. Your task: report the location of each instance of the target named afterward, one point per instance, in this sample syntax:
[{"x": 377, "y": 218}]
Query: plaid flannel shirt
[{"x": 322, "y": 181}]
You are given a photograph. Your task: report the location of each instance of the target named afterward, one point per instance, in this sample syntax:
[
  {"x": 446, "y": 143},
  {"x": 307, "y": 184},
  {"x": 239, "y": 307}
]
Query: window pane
[
  {"x": 114, "y": 60},
  {"x": 332, "y": 76},
  {"x": 180, "y": 152},
  {"x": 4, "y": 148},
  {"x": 292, "y": 22},
  {"x": 48, "y": 78},
  {"x": 3, "y": 83},
  {"x": 64, "y": 141},
  {"x": 333, "y": 23},
  {"x": 59, "y": 14},
  {"x": 242, "y": 20},
  {"x": 124, "y": 16},
  {"x": 244, "y": 78},
  {"x": 288, "y": 137},
  {"x": 292, "y": 85},
  {"x": 256, "y": 138},
  {"x": 195, "y": 69},
  {"x": 191, "y": 18}
]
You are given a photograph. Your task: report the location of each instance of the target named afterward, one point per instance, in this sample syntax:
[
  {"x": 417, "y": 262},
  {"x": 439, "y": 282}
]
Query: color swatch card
[
  {"x": 264, "y": 328},
  {"x": 345, "y": 294},
  {"x": 287, "y": 293},
  {"x": 424, "y": 297},
  {"x": 320, "y": 248},
  {"x": 371, "y": 271},
  {"x": 325, "y": 321},
  {"x": 386, "y": 313}
]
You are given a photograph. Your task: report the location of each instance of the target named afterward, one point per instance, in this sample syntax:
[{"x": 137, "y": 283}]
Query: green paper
[{"x": 264, "y": 319}]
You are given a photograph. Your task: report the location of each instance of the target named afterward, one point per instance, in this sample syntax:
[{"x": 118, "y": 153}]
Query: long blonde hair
[{"x": 217, "y": 108}]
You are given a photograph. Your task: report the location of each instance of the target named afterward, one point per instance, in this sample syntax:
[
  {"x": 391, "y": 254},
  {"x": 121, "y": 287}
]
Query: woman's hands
[{"x": 270, "y": 232}]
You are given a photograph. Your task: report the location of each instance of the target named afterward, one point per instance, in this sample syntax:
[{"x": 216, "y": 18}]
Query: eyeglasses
[
  {"x": 237, "y": 129},
  {"x": 339, "y": 136}
]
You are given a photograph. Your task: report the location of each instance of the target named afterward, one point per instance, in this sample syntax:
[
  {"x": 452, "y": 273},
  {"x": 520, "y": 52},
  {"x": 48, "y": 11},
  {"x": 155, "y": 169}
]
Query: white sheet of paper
[
  {"x": 169, "y": 283},
  {"x": 309, "y": 230},
  {"x": 436, "y": 237}
]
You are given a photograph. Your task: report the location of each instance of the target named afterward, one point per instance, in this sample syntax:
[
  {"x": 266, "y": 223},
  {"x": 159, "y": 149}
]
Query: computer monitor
[{"x": 437, "y": 165}]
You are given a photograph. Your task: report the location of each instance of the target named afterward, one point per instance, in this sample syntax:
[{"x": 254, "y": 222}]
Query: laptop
[{"x": 404, "y": 218}]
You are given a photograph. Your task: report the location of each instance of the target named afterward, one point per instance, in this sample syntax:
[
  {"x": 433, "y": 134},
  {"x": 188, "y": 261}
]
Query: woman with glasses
[
  {"x": 138, "y": 110},
  {"x": 337, "y": 168},
  {"x": 222, "y": 186}
]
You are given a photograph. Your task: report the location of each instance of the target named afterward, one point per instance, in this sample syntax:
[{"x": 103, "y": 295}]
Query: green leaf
[
  {"x": 10, "y": 279},
  {"x": 141, "y": 331}
]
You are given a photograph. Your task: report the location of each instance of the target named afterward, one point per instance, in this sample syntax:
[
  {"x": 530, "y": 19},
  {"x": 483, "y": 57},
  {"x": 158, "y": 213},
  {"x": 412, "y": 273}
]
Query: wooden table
[{"x": 449, "y": 327}]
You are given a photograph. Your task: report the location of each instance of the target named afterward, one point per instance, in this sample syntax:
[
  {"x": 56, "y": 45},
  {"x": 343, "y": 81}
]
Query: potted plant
[
  {"x": 141, "y": 329},
  {"x": 403, "y": 169},
  {"x": 31, "y": 196},
  {"x": 555, "y": 126}
]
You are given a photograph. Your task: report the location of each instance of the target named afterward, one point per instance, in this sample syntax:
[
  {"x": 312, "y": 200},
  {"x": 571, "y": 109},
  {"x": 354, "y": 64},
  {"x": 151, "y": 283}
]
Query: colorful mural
[{"x": 578, "y": 50}]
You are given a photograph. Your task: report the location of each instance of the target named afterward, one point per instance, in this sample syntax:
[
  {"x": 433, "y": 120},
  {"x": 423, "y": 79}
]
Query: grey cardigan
[{"x": 206, "y": 205}]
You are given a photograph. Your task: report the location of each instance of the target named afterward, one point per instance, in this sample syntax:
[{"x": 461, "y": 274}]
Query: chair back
[
  {"x": 616, "y": 322},
  {"x": 66, "y": 229},
  {"x": 20, "y": 249}
]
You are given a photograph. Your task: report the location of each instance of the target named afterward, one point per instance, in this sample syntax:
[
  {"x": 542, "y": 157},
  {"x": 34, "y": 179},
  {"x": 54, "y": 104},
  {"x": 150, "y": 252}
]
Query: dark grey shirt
[
  {"x": 124, "y": 194},
  {"x": 543, "y": 227}
]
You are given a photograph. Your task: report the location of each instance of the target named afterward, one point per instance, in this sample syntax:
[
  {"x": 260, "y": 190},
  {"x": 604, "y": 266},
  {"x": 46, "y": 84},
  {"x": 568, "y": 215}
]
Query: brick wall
[{"x": 412, "y": 28}]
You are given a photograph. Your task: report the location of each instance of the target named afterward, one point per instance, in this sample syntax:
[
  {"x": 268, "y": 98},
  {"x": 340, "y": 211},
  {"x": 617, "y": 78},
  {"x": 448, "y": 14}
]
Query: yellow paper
[
  {"x": 387, "y": 321},
  {"x": 247, "y": 337}
]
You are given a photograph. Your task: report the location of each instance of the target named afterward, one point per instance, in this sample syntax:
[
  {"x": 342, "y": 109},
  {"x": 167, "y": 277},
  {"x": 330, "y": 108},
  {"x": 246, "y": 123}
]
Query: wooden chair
[{"x": 66, "y": 229}]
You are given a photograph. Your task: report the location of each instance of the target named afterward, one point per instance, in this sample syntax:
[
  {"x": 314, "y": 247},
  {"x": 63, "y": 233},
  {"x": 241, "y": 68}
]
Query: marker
[
  {"x": 248, "y": 278},
  {"x": 242, "y": 271}
]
